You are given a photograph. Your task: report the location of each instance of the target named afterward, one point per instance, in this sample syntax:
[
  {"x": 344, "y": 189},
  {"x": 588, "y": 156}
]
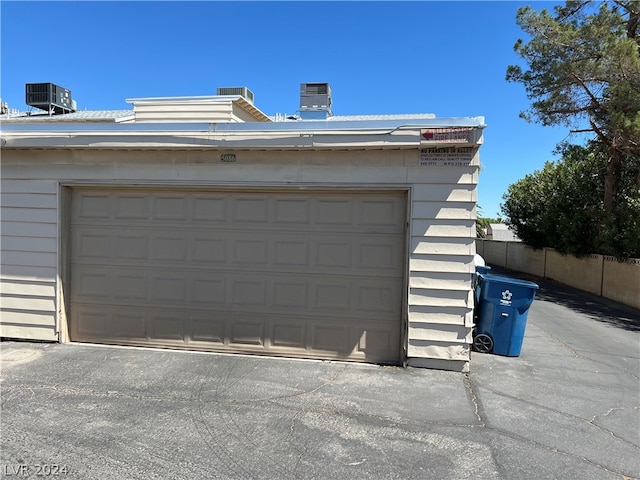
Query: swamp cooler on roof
[{"x": 315, "y": 101}]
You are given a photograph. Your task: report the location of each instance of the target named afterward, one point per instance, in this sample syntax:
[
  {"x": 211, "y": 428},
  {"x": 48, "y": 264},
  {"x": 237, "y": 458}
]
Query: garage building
[{"x": 202, "y": 223}]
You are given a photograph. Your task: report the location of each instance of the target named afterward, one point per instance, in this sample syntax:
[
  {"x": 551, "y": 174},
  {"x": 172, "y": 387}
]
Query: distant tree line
[{"x": 482, "y": 223}]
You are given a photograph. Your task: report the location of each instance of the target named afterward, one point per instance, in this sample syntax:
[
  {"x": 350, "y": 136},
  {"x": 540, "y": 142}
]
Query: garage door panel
[
  {"x": 321, "y": 253},
  {"x": 376, "y": 298},
  {"x": 208, "y": 209},
  {"x": 335, "y": 211},
  {"x": 310, "y": 211},
  {"x": 248, "y": 292},
  {"x": 208, "y": 291},
  {"x": 286, "y": 293},
  {"x": 87, "y": 325},
  {"x": 291, "y": 253},
  {"x": 230, "y": 332},
  {"x": 169, "y": 289},
  {"x": 308, "y": 274},
  {"x": 131, "y": 206},
  {"x": 130, "y": 325},
  {"x": 291, "y": 211},
  {"x": 379, "y": 254},
  {"x": 249, "y": 251},
  {"x": 131, "y": 246},
  {"x": 374, "y": 341},
  {"x": 170, "y": 207},
  {"x": 92, "y": 244},
  {"x": 129, "y": 286},
  {"x": 209, "y": 249},
  {"x": 246, "y": 331},
  {"x": 169, "y": 248},
  {"x": 288, "y": 334},
  {"x": 331, "y": 338},
  {"x": 92, "y": 284},
  {"x": 102, "y": 322},
  {"x": 166, "y": 327},
  {"x": 250, "y": 209},
  {"x": 208, "y": 329},
  {"x": 92, "y": 206}
]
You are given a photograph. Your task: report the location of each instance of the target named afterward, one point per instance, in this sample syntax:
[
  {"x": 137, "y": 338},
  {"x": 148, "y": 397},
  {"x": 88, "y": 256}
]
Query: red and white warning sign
[{"x": 449, "y": 135}]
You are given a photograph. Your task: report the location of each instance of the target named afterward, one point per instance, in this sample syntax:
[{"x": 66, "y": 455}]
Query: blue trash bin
[
  {"x": 480, "y": 269},
  {"x": 503, "y": 306}
]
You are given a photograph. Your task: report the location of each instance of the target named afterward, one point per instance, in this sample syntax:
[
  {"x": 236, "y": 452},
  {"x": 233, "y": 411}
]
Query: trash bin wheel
[{"x": 483, "y": 343}]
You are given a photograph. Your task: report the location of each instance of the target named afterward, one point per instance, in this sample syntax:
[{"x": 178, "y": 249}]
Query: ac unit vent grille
[
  {"x": 316, "y": 89},
  {"x": 50, "y": 97},
  {"x": 242, "y": 91},
  {"x": 315, "y": 100}
]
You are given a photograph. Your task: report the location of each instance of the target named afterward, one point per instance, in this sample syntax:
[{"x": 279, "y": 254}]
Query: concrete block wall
[
  {"x": 621, "y": 281},
  {"x": 597, "y": 274},
  {"x": 583, "y": 273}
]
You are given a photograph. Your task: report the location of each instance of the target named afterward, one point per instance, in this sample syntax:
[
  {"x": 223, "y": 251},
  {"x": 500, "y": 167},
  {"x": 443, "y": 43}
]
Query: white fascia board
[
  {"x": 234, "y": 135},
  {"x": 214, "y": 140}
]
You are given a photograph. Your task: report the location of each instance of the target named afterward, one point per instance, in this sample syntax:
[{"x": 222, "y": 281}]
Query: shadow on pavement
[{"x": 599, "y": 308}]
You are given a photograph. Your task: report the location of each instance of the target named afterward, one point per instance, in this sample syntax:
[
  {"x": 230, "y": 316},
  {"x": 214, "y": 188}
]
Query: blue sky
[{"x": 447, "y": 58}]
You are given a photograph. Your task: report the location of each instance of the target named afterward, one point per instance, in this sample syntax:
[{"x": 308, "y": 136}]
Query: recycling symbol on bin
[{"x": 506, "y": 295}]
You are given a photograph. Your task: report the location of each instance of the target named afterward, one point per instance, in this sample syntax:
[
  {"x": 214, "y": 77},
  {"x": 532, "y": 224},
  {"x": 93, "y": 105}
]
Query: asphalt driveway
[{"x": 568, "y": 407}]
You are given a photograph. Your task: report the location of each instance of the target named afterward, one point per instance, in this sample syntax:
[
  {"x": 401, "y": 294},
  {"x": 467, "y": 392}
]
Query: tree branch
[{"x": 594, "y": 99}]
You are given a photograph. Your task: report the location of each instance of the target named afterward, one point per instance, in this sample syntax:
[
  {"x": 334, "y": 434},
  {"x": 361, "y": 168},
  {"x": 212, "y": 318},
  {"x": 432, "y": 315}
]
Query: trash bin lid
[{"x": 511, "y": 281}]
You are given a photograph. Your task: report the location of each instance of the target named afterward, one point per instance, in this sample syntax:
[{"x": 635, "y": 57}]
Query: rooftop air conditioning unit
[
  {"x": 241, "y": 91},
  {"x": 315, "y": 96},
  {"x": 49, "y": 97}
]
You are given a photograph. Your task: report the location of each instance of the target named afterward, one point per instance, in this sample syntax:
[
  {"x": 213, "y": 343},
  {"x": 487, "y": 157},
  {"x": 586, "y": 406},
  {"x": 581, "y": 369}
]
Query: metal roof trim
[
  {"x": 305, "y": 126},
  {"x": 254, "y": 135},
  {"x": 187, "y": 99}
]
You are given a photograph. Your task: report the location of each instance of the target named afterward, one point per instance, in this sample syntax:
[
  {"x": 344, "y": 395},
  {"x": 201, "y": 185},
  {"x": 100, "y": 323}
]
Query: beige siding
[
  {"x": 424, "y": 315},
  {"x": 28, "y": 249},
  {"x": 206, "y": 111},
  {"x": 441, "y": 231},
  {"x": 431, "y": 349},
  {"x": 441, "y": 245},
  {"x": 180, "y": 112},
  {"x": 440, "y": 305},
  {"x": 445, "y": 192}
]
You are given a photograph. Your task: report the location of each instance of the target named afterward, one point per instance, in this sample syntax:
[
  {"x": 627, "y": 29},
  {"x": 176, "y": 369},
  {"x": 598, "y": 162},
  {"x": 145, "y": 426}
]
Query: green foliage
[
  {"x": 482, "y": 223},
  {"x": 573, "y": 58},
  {"x": 583, "y": 65},
  {"x": 561, "y": 206}
]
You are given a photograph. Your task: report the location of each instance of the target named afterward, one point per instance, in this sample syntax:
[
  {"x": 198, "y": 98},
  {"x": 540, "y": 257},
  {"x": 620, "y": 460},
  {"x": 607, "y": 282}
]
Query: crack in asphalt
[
  {"x": 576, "y": 354},
  {"x": 474, "y": 398},
  {"x": 215, "y": 440},
  {"x": 590, "y": 422},
  {"x": 556, "y": 450}
]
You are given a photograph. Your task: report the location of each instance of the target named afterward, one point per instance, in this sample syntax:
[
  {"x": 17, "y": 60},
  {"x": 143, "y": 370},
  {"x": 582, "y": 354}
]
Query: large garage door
[{"x": 306, "y": 273}]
